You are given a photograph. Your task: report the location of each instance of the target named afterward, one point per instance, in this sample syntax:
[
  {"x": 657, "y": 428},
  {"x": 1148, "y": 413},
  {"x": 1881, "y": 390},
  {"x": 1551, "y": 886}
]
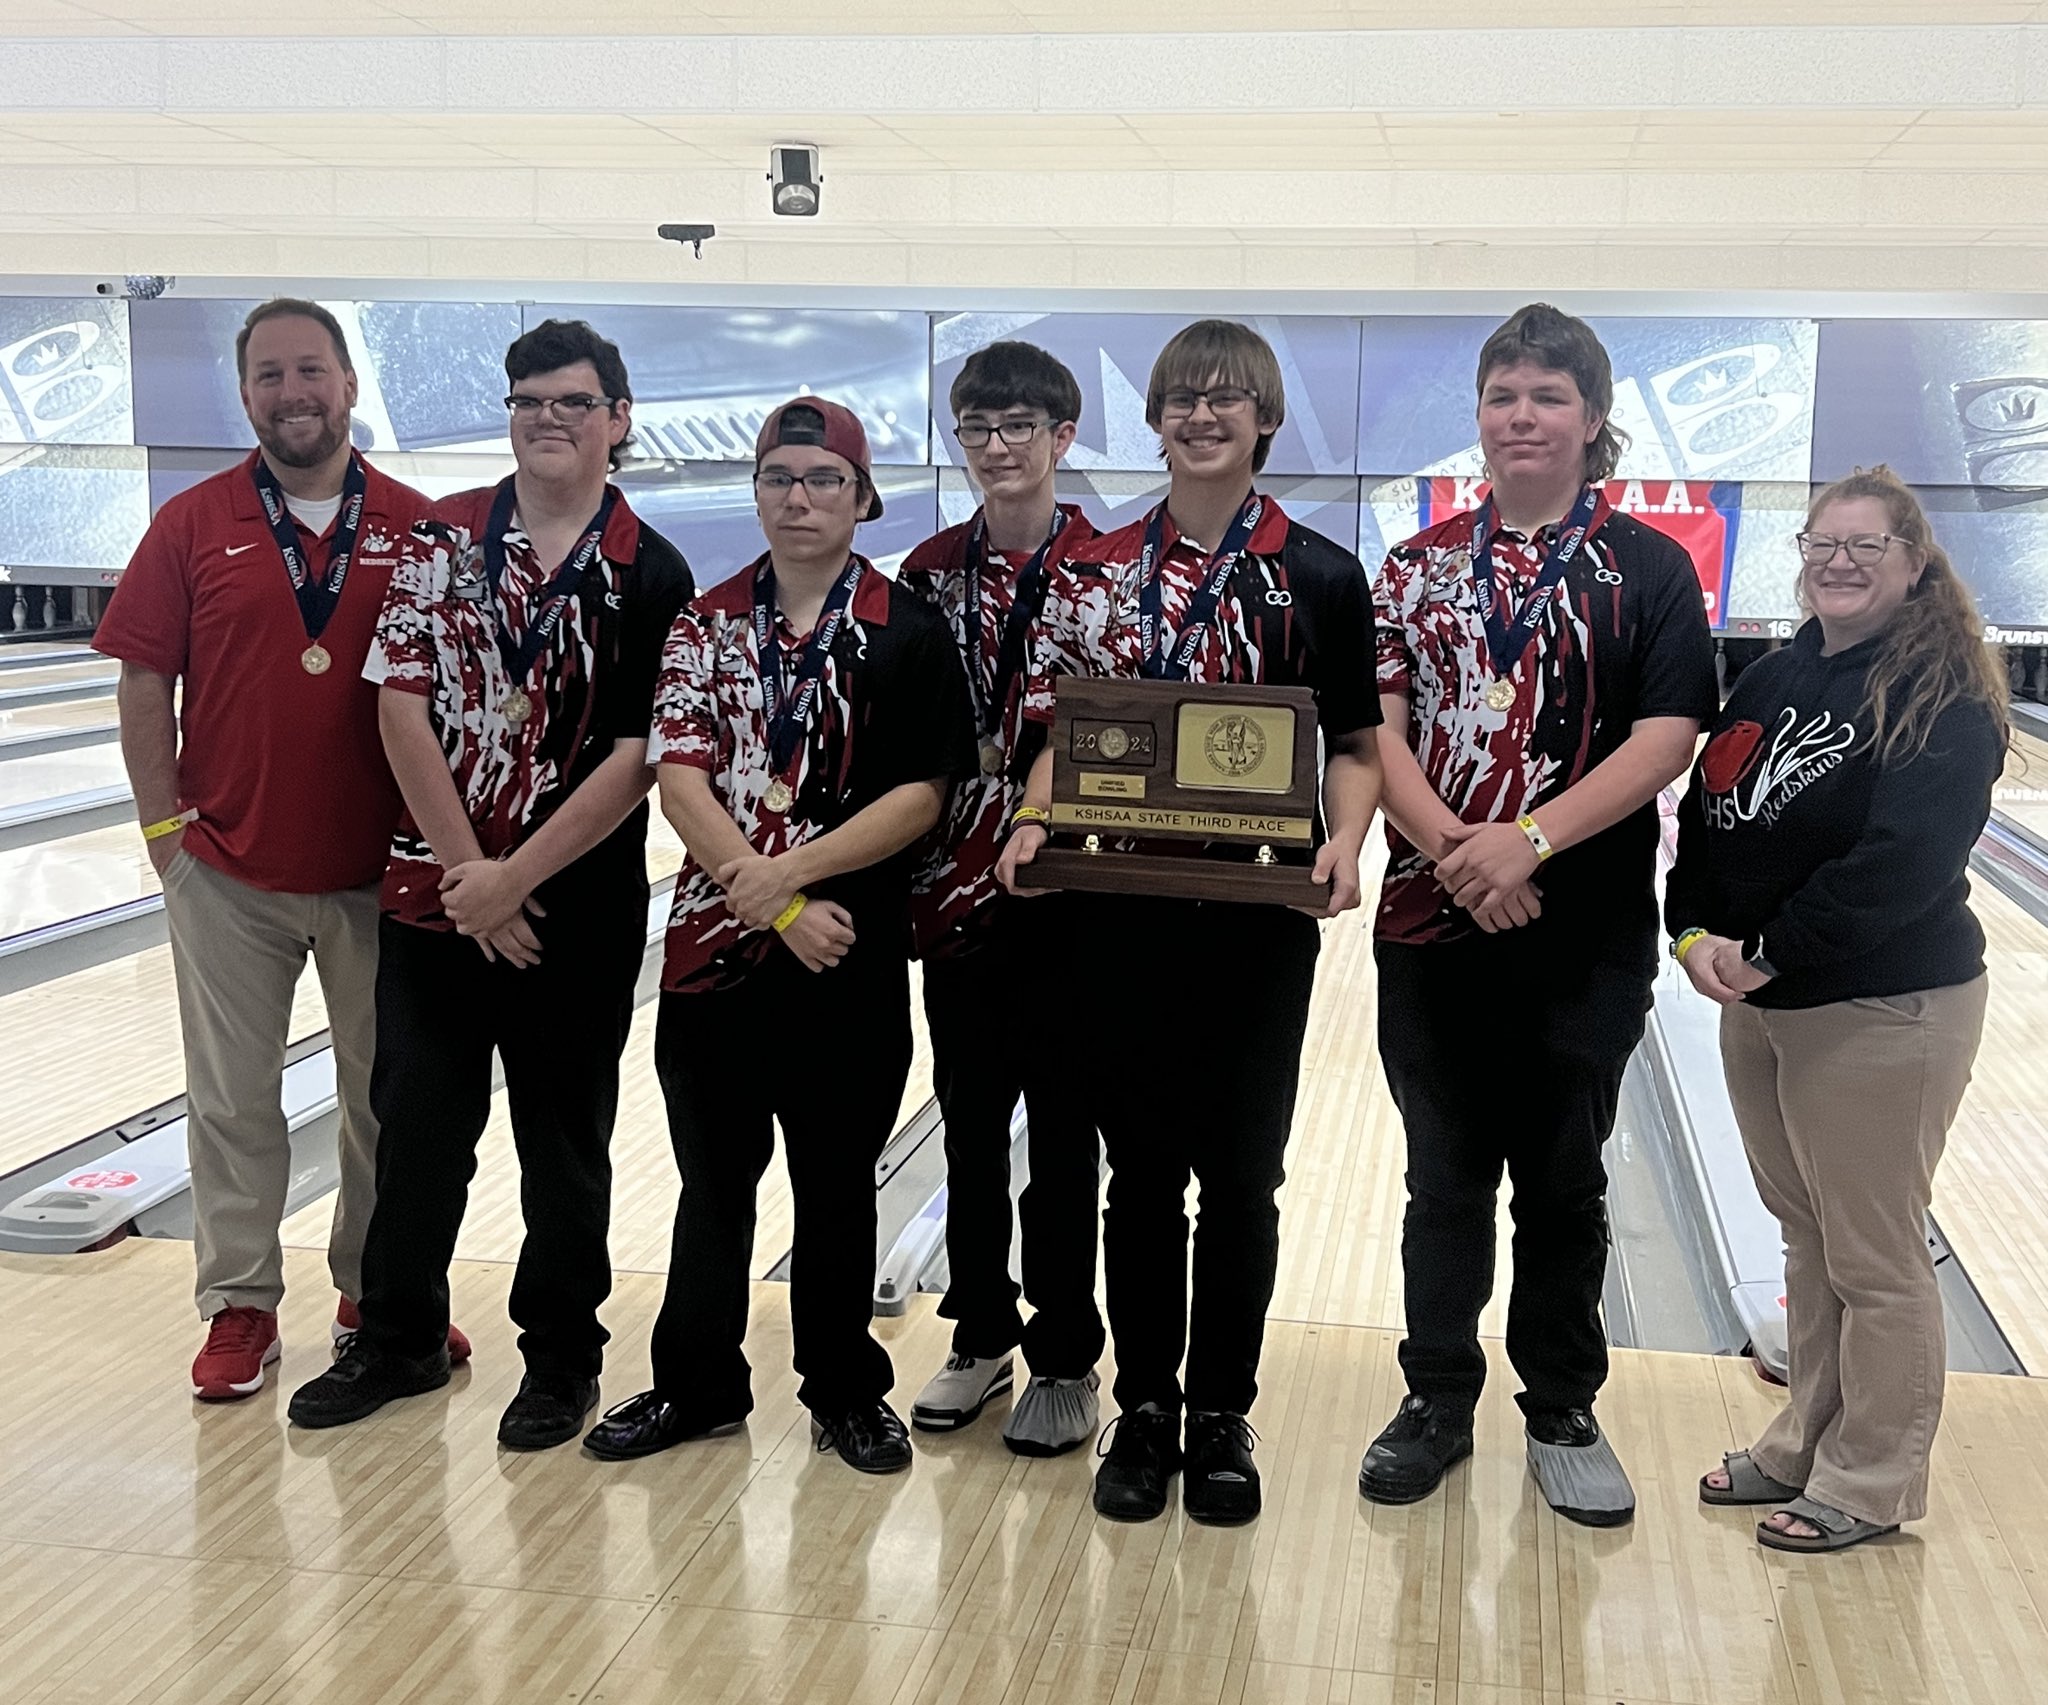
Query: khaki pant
[
  {"x": 238, "y": 953},
  {"x": 1845, "y": 1110}
]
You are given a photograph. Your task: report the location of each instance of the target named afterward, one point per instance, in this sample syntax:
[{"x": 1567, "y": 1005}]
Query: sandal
[
  {"x": 1747, "y": 1484},
  {"x": 1838, "y": 1529}
]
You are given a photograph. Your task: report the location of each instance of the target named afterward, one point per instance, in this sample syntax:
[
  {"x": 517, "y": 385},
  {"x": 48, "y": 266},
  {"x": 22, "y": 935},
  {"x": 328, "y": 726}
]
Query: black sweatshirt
[{"x": 1850, "y": 873}]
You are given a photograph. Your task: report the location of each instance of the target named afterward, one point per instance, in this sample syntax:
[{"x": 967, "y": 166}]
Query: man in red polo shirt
[
  {"x": 517, "y": 656},
  {"x": 810, "y": 717},
  {"x": 258, "y": 589},
  {"x": 1015, "y": 408}
]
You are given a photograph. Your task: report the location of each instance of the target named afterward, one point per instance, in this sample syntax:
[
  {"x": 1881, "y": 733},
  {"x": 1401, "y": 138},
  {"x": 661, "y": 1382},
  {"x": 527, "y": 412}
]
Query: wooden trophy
[{"x": 1231, "y": 771}]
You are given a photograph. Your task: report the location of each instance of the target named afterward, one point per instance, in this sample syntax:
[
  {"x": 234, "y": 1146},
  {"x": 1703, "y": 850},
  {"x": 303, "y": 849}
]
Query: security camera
[
  {"x": 137, "y": 286},
  {"x": 695, "y": 235},
  {"x": 793, "y": 170}
]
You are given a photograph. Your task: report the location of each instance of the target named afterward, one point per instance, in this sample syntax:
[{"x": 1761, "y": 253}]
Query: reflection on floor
[{"x": 167, "y": 1552}]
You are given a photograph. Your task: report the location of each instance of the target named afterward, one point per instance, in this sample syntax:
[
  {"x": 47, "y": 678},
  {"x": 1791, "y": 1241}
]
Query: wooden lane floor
[
  {"x": 173, "y": 1552},
  {"x": 72, "y": 876},
  {"x": 102, "y": 1044},
  {"x": 100, "y": 671},
  {"x": 38, "y": 776},
  {"x": 1991, "y": 1190},
  {"x": 62, "y": 716}
]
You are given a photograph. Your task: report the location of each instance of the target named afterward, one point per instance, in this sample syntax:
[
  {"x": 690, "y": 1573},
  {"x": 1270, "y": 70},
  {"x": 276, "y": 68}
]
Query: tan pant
[
  {"x": 238, "y": 953},
  {"x": 1845, "y": 1109}
]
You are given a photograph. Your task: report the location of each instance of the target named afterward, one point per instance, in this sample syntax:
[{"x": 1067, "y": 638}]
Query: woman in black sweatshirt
[{"x": 1819, "y": 895}]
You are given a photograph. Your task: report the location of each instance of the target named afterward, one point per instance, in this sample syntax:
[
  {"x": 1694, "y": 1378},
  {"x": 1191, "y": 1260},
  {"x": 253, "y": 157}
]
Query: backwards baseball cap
[{"x": 828, "y": 426}]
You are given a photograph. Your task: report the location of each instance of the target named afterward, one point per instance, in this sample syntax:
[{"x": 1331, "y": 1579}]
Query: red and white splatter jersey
[
  {"x": 891, "y": 708},
  {"x": 1625, "y": 637},
  {"x": 956, "y": 879},
  {"x": 594, "y": 684}
]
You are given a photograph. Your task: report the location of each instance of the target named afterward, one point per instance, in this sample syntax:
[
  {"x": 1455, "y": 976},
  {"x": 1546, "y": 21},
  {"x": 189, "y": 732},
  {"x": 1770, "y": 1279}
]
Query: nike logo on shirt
[{"x": 235, "y": 550}]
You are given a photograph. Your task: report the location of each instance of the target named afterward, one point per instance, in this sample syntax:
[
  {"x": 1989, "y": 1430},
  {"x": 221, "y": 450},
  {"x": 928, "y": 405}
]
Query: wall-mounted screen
[
  {"x": 1699, "y": 399},
  {"x": 1111, "y": 356},
  {"x": 64, "y": 376},
  {"x": 1944, "y": 402},
  {"x": 704, "y": 379},
  {"x": 70, "y": 507},
  {"x": 431, "y": 375}
]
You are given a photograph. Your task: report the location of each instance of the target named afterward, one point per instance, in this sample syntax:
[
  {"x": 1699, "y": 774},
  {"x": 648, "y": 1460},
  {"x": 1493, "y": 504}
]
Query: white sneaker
[
  {"x": 1053, "y": 1416},
  {"x": 960, "y": 1391}
]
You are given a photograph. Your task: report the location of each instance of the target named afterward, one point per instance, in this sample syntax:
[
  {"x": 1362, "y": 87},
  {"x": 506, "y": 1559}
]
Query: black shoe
[
  {"x": 871, "y": 1438},
  {"x": 1140, "y": 1453},
  {"x": 548, "y": 1411},
  {"x": 642, "y": 1425},
  {"x": 361, "y": 1382},
  {"x": 1409, "y": 1459},
  {"x": 1219, "y": 1482}
]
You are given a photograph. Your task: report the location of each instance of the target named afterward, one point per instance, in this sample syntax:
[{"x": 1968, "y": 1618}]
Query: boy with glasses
[
  {"x": 1198, "y": 1008},
  {"x": 1016, "y": 407},
  {"x": 517, "y": 658},
  {"x": 810, "y": 718}
]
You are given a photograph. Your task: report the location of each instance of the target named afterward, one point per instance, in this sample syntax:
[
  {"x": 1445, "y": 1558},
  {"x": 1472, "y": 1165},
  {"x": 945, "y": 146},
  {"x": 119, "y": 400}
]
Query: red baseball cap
[{"x": 826, "y": 425}]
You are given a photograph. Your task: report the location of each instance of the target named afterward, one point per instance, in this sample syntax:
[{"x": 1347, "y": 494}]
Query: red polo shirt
[{"x": 286, "y": 769}]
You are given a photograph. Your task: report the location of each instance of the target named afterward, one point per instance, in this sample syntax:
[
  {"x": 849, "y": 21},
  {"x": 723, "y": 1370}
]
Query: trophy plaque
[{"x": 1229, "y": 770}]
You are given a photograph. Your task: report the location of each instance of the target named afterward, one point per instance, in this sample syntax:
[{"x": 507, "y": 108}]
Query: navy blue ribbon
[
  {"x": 1010, "y": 649},
  {"x": 789, "y": 714},
  {"x": 1506, "y": 640},
  {"x": 1158, "y": 664},
  {"x": 317, "y": 598},
  {"x": 561, "y": 588}
]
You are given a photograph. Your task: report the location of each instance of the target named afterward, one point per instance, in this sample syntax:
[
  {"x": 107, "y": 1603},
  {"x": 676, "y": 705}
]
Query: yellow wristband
[
  {"x": 1686, "y": 943},
  {"x": 791, "y": 912},
  {"x": 1030, "y": 814},
  {"x": 170, "y": 825},
  {"x": 1537, "y": 838}
]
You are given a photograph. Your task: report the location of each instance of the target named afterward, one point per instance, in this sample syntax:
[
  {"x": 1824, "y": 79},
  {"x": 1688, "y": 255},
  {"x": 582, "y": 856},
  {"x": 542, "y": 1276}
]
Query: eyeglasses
[
  {"x": 571, "y": 409},
  {"x": 976, "y": 433},
  {"x": 1866, "y": 550},
  {"x": 1222, "y": 399},
  {"x": 819, "y": 482}
]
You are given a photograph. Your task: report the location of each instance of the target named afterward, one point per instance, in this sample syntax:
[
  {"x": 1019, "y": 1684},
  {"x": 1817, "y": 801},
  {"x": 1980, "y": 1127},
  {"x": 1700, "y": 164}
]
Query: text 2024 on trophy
[{"x": 1230, "y": 770}]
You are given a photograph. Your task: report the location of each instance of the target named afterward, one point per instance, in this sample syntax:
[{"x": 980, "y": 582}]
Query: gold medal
[
  {"x": 315, "y": 659},
  {"x": 518, "y": 707},
  {"x": 1500, "y": 694},
  {"x": 778, "y": 796},
  {"x": 991, "y": 757}
]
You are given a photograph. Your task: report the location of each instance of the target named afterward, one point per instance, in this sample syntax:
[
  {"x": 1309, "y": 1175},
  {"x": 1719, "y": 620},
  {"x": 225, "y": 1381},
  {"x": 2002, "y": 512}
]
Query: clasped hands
[
  {"x": 1486, "y": 869},
  {"x": 486, "y": 899},
  {"x": 759, "y": 889}
]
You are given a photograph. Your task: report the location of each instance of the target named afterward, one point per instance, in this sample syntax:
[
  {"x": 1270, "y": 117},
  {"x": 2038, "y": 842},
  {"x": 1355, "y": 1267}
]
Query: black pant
[
  {"x": 559, "y": 1027},
  {"x": 989, "y": 1044},
  {"x": 1507, "y": 1051},
  {"x": 825, "y": 1054},
  {"x": 1185, "y": 1043}
]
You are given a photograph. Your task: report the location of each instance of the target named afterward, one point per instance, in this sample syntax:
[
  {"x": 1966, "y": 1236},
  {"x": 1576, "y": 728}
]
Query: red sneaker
[
  {"x": 240, "y": 1344},
  {"x": 347, "y": 1320}
]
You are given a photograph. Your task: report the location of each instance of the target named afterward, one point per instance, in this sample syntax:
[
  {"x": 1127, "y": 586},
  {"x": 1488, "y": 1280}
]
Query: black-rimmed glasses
[
  {"x": 819, "y": 482},
  {"x": 974, "y": 434}
]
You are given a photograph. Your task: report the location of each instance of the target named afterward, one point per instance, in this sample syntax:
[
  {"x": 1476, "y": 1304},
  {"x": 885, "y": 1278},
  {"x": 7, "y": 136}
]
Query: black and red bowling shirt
[
  {"x": 285, "y": 768},
  {"x": 956, "y": 879},
  {"x": 1295, "y": 612},
  {"x": 891, "y": 708},
  {"x": 1624, "y": 637},
  {"x": 593, "y": 684}
]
